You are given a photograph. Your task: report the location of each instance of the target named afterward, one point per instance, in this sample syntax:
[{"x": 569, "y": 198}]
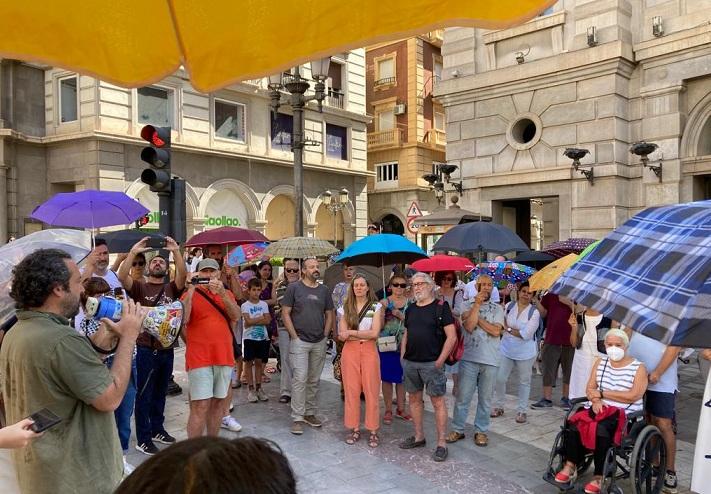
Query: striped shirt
[{"x": 610, "y": 378}]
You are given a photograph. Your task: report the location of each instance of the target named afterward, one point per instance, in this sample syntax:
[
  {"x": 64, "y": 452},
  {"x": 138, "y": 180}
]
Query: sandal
[
  {"x": 496, "y": 412},
  {"x": 388, "y": 417},
  {"x": 402, "y": 415},
  {"x": 373, "y": 440},
  {"x": 353, "y": 437}
]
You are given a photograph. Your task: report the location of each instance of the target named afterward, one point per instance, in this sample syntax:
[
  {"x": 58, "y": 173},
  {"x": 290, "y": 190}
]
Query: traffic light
[
  {"x": 158, "y": 156},
  {"x": 143, "y": 221}
]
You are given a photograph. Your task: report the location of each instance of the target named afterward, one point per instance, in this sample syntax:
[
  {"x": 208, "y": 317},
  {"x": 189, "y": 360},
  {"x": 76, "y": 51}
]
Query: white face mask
[{"x": 615, "y": 353}]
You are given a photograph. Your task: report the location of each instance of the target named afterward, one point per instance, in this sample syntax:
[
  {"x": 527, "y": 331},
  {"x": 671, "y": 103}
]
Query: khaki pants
[{"x": 307, "y": 361}]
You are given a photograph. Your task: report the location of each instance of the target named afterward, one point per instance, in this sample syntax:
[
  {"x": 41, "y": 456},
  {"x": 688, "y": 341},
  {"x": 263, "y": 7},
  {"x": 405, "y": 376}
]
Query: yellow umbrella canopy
[
  {"x": 136, "y": 42},
  {"x": 544, "y": 279}
]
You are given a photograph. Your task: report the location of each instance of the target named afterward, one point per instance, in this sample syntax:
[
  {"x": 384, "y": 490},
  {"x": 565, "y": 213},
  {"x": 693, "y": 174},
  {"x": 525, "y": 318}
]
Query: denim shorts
[
  {"x": 660, "y": 404},
  {"x": 208, "y": 382},
  {"x": 421, "y": 375}
]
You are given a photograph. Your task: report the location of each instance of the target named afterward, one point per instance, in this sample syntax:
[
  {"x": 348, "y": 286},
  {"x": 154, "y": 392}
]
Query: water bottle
[{"x": 107, "y": 307}]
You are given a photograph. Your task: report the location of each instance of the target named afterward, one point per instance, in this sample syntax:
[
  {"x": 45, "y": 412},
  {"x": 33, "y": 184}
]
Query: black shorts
[
  {"x": 256, "y": 350},
  {"x": 660, "y": 404}
]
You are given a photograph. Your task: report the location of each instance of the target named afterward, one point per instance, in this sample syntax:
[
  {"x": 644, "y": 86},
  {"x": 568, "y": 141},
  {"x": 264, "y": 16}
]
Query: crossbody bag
[
  {"x": 337, "y": 359},
  {"x": 235, "y": 345}
]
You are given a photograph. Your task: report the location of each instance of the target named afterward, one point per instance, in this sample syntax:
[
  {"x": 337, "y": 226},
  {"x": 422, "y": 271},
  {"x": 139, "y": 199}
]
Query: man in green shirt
[{"x": 44, "y": 363}]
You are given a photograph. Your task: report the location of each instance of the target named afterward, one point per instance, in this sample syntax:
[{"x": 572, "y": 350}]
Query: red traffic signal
[
  {"x": 143, "y": 221},
  {"x": 158, "y": 154}
]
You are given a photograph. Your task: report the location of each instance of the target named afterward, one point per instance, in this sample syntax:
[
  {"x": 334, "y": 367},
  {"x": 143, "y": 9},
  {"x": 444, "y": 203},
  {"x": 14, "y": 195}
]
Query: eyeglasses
[
  {"x": 399, "y": 285},
  {"x": 419, "y": 284},
  {"x": 139, "y": 263},
  {"x": 292, "y": 270}
]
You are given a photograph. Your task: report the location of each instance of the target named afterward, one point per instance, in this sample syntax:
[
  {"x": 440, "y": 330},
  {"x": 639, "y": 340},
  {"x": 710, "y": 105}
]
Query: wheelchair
[{"x": 641, "y": 447}]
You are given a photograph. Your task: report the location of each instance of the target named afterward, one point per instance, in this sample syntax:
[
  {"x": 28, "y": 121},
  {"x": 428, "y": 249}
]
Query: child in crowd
[{"x": 256, "y": 317}]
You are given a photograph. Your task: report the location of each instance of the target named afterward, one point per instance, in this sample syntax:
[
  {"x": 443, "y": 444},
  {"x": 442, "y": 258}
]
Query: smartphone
[
  {"x": 156, "y": 243},
  {"x": 43, "y": 420}
]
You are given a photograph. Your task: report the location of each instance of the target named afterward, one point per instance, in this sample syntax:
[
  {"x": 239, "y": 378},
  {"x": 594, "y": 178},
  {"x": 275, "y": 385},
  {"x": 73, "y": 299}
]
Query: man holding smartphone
[
  {"x": 46, "y": 363},
  {"x": 154, "y": 364}
]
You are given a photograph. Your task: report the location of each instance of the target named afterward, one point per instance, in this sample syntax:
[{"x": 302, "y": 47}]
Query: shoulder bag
[{"x": 235, "y": 344}]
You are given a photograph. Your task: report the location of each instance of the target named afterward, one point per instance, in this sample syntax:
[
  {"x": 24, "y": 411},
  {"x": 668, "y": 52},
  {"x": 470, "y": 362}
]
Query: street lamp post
[
  {"x": 334, "y": 205},
  {"x": 295, "y": 87}
]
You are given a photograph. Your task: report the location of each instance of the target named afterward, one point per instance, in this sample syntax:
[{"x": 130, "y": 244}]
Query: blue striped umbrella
[{"x": 652, "y": 274}]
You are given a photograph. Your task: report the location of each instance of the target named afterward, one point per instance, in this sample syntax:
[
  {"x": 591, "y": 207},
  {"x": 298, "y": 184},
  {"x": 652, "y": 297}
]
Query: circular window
[{"x": 524, "y": 132}]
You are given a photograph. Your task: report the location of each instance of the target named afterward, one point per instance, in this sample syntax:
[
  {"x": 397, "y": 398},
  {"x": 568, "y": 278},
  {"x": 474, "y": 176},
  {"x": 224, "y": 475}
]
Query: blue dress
[{"x": 390, "y": 367}]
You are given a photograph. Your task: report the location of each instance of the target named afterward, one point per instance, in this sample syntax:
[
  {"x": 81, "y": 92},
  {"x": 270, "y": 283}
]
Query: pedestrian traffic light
[
  {"x": 158, "y": 156},
  {"x": 143, "y": 221}
]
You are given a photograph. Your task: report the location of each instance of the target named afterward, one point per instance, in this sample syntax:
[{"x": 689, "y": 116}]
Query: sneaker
[
  {"x": 173, "y": 388},
  {"x": 147, "y": 448},
  {"x": 542, "y": 403},
  {"x": 231, "y": 424},
  {"x": 440, "y": 454},
  {"x": 284, "y": 399},
  {"x": 261, "y": 395},
  {"x": 312, "y": 420},
  {"x": 252, "y": 396},
  {"x": 127, "y": 467},
  {"x": 670, "y": 483},
  {"x": 565, "y": 403},
  {"x": 297, "y": 427},
  {"x": 164, "y": 438}
]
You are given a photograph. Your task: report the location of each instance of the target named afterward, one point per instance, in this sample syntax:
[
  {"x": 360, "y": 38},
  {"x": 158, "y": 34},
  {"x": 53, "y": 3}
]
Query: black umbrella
[
  {"x": 479, "y": 237},
  {"x": 122, "y": 240},
  {"x": 534, "y": 258}
]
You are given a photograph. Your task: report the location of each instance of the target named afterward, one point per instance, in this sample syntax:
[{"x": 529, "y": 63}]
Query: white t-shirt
[
  {"x": 367, "y": 322},
  {"x": 254, "y": 311},
  {"x": 470, "y": 292}
]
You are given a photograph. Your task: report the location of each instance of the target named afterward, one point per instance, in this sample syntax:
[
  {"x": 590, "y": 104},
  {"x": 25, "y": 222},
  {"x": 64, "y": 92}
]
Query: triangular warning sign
[{"x": 414, "y": 210}]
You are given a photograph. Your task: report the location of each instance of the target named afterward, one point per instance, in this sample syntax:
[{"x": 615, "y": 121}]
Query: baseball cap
[{"x": 208, "y": 264}]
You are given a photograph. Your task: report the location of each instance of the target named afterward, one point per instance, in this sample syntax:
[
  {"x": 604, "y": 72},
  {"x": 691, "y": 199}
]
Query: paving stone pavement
[{"x": 513, "y": 462}]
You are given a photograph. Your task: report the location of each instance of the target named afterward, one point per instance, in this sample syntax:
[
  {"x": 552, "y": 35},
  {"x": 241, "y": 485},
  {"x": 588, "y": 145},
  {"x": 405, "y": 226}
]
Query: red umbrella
[
  {"x": 227, "y": 235},
  {"x": 442, "y": 262}
]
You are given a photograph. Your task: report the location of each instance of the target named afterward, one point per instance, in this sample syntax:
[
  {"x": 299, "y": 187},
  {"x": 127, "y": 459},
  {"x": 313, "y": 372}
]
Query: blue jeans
[
  {"x": 474, "y": 377},
  {"x": 154, "y": 368},
  {"x": 524, "y": 369},
  {"x": 123, "y": 413}
]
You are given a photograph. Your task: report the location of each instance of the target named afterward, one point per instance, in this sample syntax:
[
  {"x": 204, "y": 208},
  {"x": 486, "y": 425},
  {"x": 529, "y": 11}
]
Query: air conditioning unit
[{"x": 400, "y": 109}]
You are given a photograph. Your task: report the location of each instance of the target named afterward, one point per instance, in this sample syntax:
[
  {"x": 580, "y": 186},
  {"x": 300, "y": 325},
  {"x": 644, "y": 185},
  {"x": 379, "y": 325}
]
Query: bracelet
[{"x": 601, "y": 394}]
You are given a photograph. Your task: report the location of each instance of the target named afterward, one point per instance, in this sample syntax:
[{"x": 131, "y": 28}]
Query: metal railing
[
  {"x": 385, "y": 80},
  {"x": 335, "y": 99}
]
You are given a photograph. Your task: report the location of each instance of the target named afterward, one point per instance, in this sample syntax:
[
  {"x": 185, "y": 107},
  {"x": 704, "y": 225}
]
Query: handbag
[
  {"x": 387, "y": 344},
  {"x": 337, "y": 372}
]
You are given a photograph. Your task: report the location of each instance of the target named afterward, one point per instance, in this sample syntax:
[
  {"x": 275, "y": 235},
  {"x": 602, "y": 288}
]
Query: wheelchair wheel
[
  {"x": 649, "y": 449},
  {"x": 555, "y": 462},
  {"x": 609, "y": 470}
]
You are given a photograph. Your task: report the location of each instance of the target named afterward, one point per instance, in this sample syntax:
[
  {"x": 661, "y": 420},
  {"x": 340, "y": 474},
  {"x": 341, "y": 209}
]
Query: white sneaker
[
  {"x": 261, "y": 395},
  {"x": 230, "y": 423},
  {"x": 127, "y": 467},
  {"x": 252, "y": 397}
]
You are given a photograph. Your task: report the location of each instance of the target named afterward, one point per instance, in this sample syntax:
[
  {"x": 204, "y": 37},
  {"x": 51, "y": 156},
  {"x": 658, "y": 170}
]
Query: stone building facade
[
  {"x": 61, "y": 132},
  {"x": 593, "y": 74},
  {"x": 407, "y": 133}
]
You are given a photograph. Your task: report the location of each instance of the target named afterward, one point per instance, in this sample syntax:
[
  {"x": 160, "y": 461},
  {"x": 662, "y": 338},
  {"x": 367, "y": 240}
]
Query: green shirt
[{"x": 44, "y": 363}]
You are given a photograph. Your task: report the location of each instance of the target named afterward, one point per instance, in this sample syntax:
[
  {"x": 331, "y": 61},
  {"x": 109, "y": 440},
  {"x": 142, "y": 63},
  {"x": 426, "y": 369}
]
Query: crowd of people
[{"x": 389, "y": 350}]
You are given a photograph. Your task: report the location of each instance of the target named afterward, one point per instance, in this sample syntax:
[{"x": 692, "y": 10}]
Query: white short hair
[
  {"x": 428, "y": 279},
  {"x": 620, "y": 334}
]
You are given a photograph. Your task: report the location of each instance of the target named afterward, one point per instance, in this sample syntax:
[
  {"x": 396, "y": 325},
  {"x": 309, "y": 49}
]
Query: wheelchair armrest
[
  {"x": 575, "y": 401},
  {"x": 634, "y": 415}
]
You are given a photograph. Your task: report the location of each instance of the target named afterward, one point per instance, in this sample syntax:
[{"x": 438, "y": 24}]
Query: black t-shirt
[{"x": 425, "y": 338}]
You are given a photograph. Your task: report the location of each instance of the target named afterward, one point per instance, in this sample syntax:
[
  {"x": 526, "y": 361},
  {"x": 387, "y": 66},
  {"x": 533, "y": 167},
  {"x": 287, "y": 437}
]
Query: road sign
[
  {"x": 410, "y": 226},
  {"x": 414, "y": 211}
]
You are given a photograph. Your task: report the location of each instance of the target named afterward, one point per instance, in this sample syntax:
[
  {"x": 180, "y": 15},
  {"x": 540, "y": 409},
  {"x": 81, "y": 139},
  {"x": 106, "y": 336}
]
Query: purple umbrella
[
  {"x": 89, "y": 209},
  {"x": 570, "y": 246}
]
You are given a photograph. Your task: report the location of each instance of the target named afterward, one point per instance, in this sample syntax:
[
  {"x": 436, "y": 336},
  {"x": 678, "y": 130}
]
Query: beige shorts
[{"x": 209, "y": 382}]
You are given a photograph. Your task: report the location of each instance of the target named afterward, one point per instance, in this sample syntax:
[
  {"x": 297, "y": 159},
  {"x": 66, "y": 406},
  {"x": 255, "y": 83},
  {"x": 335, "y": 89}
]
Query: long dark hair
[{"x": 350, "y": 306}]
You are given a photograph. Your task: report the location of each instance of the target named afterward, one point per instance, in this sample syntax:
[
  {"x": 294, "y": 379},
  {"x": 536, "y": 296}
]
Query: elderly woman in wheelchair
[{"x": 614, "y": 390}]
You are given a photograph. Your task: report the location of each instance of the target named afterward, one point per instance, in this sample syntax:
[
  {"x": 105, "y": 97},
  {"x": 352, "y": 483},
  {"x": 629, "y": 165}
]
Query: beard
[
  {"x": 70, "y": 305},
  {"x": 419, "y": 297},
  {"x": 158, "y": 272},
  {"x": 102, "y": 265}
]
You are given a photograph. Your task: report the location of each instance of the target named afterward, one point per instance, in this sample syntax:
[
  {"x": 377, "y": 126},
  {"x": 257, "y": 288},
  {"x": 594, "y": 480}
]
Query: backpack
[
  {"x": 458, "y": 351},
  {"x": 538, "y": 335}
]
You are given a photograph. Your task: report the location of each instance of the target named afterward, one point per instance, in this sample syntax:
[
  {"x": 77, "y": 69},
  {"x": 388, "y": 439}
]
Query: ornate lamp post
[
  {"x": 294, "y": 86},
  {"x": 334, "y": 205}
]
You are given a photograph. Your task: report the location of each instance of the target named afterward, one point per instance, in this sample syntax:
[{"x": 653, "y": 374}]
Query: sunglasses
[
  {"x": 139, "y": 263},
  {"x": 447, "y": 279},
  {"x": 399, "y": 285},
  {"x": 292, "y": 270}
]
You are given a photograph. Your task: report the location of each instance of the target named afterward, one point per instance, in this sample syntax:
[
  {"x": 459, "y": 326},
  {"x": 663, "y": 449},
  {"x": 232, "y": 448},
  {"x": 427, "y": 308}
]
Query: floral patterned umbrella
[
  {"x": 570, "y": 246},
  {"x": 503, "y": 272}
]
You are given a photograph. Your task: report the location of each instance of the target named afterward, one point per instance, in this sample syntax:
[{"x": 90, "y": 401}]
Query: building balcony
[
  {"x": 385, "y": 139},
  {"x": 335, "y": 99},
  {"x": 436, "y": 138},
  {"x": 385, "y": 81}
]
